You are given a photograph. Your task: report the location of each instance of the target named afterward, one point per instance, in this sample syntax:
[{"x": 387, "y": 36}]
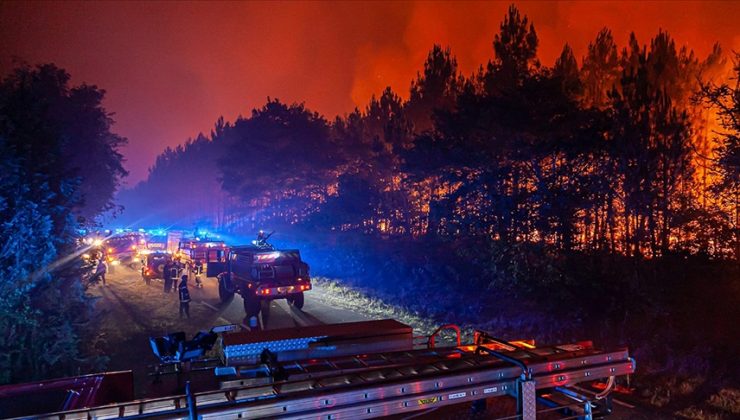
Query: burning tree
[{"x": 725, "y": 99}]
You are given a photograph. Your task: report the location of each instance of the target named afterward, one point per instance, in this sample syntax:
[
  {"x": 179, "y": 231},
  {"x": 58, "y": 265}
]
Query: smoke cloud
[{"x": 171, "y": 69}]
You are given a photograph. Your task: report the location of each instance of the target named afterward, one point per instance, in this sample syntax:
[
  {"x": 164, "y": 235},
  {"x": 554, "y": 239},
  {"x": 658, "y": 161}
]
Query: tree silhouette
[
  {"x": 600, "y": 70},
  {"x": 64, "y": 132},
  {"x": 59, "y": 167},
  {"x": 436, "y": 89},
  {"x": 515, "y": 49}
]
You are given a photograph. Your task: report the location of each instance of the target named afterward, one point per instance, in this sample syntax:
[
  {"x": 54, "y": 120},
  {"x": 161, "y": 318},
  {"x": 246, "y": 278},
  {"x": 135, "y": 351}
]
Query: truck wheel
[
  {"x": 252, "y": 304},
  {"x": 223, "y": 293},
  {"x": 296, "y": 300}
]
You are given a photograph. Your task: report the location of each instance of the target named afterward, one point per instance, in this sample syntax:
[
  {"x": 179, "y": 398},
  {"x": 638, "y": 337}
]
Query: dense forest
[
  {"x": 59, "y": 168},
  {"x": 621, "y": 154},
  {"x": 594, "y": 198}
]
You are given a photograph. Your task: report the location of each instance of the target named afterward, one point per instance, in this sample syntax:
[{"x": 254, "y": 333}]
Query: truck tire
[
  {"x": 296, "y": 300},
  {"x": 224, "y": 293},
  {"x": 252, "y": 304}
]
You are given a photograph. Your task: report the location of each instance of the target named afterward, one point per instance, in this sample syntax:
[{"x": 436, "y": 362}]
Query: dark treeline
[
  {"x": 617, "y": 155},
  {"x": 59, "y": 169},
  {"x": 604, "y": 194}
]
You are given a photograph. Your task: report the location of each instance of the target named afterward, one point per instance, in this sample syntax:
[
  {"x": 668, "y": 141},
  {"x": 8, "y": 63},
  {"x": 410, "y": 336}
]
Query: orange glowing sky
[{"x": 172, "y": 68}]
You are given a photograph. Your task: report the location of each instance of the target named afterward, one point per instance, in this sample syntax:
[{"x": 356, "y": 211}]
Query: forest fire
[{"x": 551, "y": 173}]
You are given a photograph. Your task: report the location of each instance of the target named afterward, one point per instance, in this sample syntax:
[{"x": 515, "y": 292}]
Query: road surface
[{"x": 130, "y": 311}]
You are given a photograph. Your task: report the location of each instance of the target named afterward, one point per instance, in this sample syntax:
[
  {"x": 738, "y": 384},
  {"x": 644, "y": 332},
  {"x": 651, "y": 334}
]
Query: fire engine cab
[{"x": 196, "y": 250}]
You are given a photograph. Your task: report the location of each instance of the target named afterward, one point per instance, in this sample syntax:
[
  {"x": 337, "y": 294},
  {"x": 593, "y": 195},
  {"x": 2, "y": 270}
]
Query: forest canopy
[
  {"x": 617, "y": 154},
  {"x": 59, "y": 168}
]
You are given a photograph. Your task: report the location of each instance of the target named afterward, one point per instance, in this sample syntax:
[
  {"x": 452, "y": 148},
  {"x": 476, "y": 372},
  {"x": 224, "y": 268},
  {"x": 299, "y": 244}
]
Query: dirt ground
[{"x": 130, "y": 311}]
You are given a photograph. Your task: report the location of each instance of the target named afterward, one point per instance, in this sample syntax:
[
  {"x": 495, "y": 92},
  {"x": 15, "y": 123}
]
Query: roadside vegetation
[{"x": 59, "y": 167}]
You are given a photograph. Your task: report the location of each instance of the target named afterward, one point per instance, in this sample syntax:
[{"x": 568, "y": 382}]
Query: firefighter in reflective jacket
[
  {"x": 170, "y": 272},
  {"x": 184, "y": 297}
]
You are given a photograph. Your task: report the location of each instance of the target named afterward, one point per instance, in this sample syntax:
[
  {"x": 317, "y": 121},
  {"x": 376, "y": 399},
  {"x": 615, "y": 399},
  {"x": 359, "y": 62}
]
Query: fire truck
[
  {"x": 357, "y": 370},
  {"x": 163, "y": 240},
  {"x": 123, "y": 248},
  {"x": 258, "y": 273},
  {"x": 196, "y": 250}
]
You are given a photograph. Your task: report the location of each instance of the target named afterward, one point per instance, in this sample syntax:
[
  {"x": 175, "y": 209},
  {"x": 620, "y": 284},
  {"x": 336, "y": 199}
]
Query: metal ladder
[{"x": 374, "y": 385}]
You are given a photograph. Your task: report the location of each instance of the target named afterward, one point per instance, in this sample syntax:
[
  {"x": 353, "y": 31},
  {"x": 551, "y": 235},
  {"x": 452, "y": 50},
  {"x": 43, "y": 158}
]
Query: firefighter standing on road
[
  {"x": 101, "y": 269},
  {"x": 177, "y": 268},
  {"x": 198, "y": 267},
  {"x": 184, "y": 297},
  {"x": 167, "y": 270}
]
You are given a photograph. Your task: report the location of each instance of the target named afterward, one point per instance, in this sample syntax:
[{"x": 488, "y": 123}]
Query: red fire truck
[
  {"x": 197, "y": 250},
  {"x": 123, "y": 248}
]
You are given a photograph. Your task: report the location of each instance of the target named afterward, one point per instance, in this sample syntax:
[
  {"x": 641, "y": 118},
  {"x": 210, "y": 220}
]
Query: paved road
[{"x": 126, "y": 288}]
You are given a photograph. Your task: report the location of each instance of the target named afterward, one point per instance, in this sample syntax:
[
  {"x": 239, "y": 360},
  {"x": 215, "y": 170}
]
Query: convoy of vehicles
[{"x": 258, "y": 272}]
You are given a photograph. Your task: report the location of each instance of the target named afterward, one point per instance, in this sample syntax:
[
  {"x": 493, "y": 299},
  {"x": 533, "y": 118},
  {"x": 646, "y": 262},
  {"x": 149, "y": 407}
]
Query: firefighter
[
  {"x": 198, "y": 271},
  {"x": 184, "y": 296},
  {"x": 101, "y": 269},
  {"x": 177, "y": 268},
  {"x": 167, "y": 271}
]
